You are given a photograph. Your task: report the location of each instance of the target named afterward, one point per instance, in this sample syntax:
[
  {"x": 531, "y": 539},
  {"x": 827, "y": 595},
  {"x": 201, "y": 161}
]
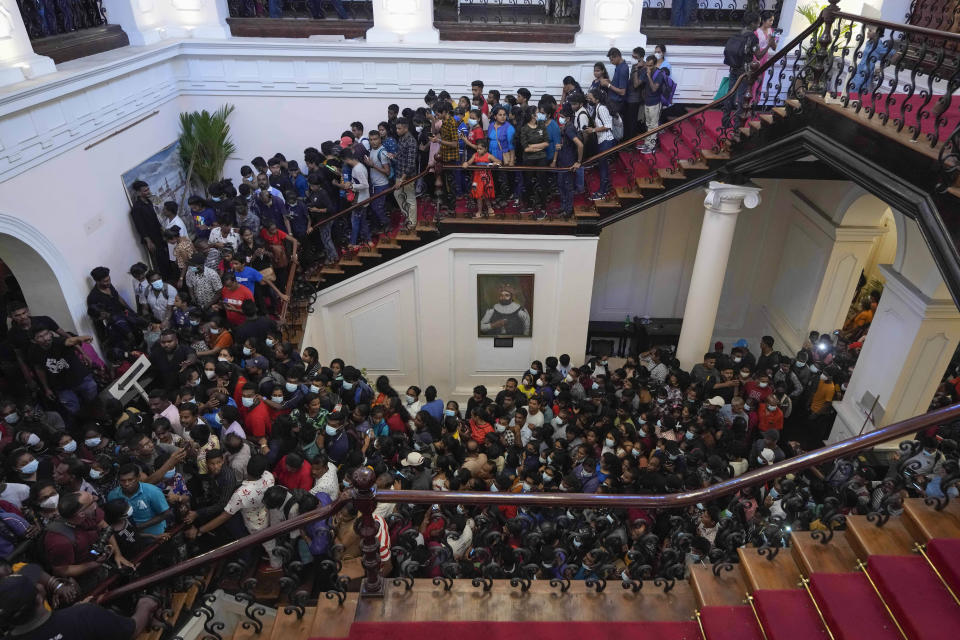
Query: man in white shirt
[
  {"x": 535, "y": 416},
  {"x": 379, "y": 164},
  {"x": 223, "y": 235},
  {"x": 360, "y": 185},
  {"x": 263, "y": 184}
]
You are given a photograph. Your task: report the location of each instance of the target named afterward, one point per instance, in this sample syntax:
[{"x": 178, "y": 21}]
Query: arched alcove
[{"x": 48, "y": 284}]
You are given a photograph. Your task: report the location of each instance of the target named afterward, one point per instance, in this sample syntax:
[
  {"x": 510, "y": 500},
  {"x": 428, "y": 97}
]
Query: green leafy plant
[{"x": 205, "y": 144}]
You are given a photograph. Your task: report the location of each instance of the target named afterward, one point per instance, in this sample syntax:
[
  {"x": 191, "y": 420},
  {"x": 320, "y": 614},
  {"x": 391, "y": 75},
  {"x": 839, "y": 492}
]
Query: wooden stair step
[
  {"x": 289, "y": 627},
  {"x": 766, "y": 118},
  {"x": 428, "y": 227},
  {"x": 780, "y": 111},
  {"x": 350, "y": 262},
  {"x": 755, "y": 125},
  {"x": 710, "y": 154},
  {"x": 408, "y": 236},
  {"x": 332, "y": 620},
  {"x": 925, "y": 523},
  {"x": 388, "y": 243},
  {"x": 781, "y": 573},
  {"x": 332, "y": 269},
  {"x": 177, "y": 601},
  {"x": 671, "y": 174},
  {"x": 540, "y": 603},
  {"x": 650, "y": 183},
  {"x": 190, "y": 596},
  {"x": 367, "y": 252},
  {"x": 607, "y": 203},
  {"x": 745, "y": 131},
  {"x": 726, "y": 589},
  {"x": 867, "y": 539},
  {"x": 694, "y": 165},
  {"x": 626, "y": 193},
  {"x": 811, "y": 556},
  {"x": 585, "y": 211},
  {"x": 510, "y": 221},
  {"x": 793, "y": 103}
]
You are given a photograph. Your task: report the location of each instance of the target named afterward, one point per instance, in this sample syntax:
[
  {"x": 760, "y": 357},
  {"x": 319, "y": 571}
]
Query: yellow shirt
[{"x": 824, "y": 394}]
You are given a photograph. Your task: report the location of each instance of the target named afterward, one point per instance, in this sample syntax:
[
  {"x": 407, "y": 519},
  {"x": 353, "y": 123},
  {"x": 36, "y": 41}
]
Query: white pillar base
[
  {"x": 380, "y": 35},
  {"x": 25, "y": 68},
  {"x": 610, "y": 23}
]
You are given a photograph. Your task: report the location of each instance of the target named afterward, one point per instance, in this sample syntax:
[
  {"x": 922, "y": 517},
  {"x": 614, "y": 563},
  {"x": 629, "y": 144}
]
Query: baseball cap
[
  {"x": 768, "y": 455},
  {"x": 413, "y": 459},
  {"x": 346, "y": 141},
  {"x": 740, "y": 343},
  {"x": 716, "y": 401}
]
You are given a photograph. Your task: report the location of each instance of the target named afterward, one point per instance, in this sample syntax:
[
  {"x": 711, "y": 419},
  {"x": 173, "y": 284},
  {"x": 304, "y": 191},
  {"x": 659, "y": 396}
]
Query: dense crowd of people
[{"x": 241, "y": 430}]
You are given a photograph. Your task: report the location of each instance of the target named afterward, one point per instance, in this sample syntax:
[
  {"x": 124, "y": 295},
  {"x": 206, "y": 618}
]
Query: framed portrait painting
[{"x": 505, "y": 305}]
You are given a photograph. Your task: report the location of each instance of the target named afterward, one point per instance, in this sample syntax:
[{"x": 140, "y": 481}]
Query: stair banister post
[
  {"x": 366, "y": 498},
  {"x": 824, "y": 42}
]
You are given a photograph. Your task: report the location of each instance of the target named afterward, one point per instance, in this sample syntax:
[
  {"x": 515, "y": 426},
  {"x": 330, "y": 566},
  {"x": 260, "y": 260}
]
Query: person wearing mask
[
  {"x": 651, "y": 81},
  {"x": 569, "y": 155},
  {"x": 634, "y": 97}
]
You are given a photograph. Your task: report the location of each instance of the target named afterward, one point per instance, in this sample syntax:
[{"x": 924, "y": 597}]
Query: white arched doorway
[{"x": 49, "y": 286}]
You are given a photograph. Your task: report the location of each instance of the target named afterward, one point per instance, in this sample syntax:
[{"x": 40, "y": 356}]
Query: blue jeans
[
  {"x": 326, "y": 238},
  {"x": 682, "y": 12},
  {"x": 74, "y": 399},
  {"x": 579, "y": 180},
  {"x": 734, "y": 103},
  {"x": 565, "y": 186},
  {"x": 604, "y": 166},
  {"x": 359, "y": 226},
  {"x": 379, "y": 205},
  {"x": 316, "y": 9},
  {"x": 275, "y": 8}
]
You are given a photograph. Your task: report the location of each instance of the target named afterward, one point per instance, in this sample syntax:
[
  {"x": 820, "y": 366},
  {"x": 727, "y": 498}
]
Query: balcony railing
[
  {"x": 507, "y": 20},
  {"x": 69, "y": 29},
  {"x": 300, "y": 18},
  {"x": 935, "y": 14},
  {"x": 700, "y": 21}
]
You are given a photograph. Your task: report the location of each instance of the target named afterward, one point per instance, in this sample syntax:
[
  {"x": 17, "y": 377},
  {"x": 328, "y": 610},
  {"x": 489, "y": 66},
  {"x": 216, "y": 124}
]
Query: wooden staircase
[{"x": 865, "y": 582}]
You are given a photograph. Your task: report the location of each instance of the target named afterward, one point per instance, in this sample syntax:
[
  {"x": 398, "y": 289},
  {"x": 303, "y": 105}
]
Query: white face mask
[
  {"x": 12, "y": 418},
  {"x": 70, "y": 447},
  {"x": 609, "y": 442},
  {"x": 314, "y": 389},
  {"x": 222, "y": 359},
  {"x": 278, "y": 399},
  {"x": 763, "y": 385},
  {"x": 33, "y": 440},
  {"x": 209, "y": 374},
  {"x": 410, "y": 399},
  {"x": 92, "y": 442},
  {"x": 270, "y": 342},
  {"x": 51, "y": 502},
  {"x": 568, "y": 379},
  {"x": 247, "y": 351},
  {"x": 290, "y": 386},
  {"x": 500, "y": 427}
]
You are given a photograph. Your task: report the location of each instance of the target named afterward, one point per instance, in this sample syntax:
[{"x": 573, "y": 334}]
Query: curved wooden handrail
[
  {"x": 230, "y": 548},
  {"x": 564, "y": 500},
  {"x": 140, "y": 557}
]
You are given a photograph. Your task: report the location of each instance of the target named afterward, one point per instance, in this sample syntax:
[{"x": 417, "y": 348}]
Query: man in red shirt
[
  {"x": 254, "y": 414},
  {"x": 293, "y": 472},
  {"x": 770, "y": 415},
  {"x": 233, "y": 296}
]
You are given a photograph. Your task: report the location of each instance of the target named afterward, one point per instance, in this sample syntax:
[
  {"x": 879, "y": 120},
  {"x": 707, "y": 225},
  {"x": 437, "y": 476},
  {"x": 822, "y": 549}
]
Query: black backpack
[{"x": 735, "y": 51}]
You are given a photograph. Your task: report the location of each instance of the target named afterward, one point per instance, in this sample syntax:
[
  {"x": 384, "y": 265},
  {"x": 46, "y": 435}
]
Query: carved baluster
[{"x": 366, "y": 496}]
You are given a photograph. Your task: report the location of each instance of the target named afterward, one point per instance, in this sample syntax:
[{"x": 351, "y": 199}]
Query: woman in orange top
[
  {"x": 864, "y": 317},
  {"x": 217, "y": 336}
]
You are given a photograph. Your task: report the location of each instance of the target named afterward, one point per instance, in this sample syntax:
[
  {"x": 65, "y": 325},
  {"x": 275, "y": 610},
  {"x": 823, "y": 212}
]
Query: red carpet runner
[
  {"x": 525, "y": 630},
  {"x": 730, "y": 623},
  {"x": 851, "y": 607},
  {"x": 917, "y": 598},
  {"x": 945, "y": 554},
  {"x": 789, "y": 615}
]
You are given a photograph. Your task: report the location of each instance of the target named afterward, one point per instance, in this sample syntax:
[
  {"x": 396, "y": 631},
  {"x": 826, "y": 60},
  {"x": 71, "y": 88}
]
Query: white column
[
  {"x": 17, "y": 58},
  {"x": 848, "y": 257},
  {"x": 904, "y": 356},
  {"x": 409, "y": 21},
  {"x": 610, "y": 23},
  {"x": 721, "y": 206},
  {"x": 144, "y": 21},
  {"x": 197, "y": 18}
]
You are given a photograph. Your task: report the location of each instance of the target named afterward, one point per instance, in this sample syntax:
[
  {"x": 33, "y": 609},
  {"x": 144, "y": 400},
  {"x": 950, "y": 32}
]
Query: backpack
[
  {"x": 668, "y": 88},
  {"x": 735, "y": 50}
]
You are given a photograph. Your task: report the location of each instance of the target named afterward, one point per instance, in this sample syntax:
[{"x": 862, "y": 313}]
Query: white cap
[
  {"x": 716, "y": 401},
  {"x": 768, "y": 455},
  {"x": 413, "y": 459}
]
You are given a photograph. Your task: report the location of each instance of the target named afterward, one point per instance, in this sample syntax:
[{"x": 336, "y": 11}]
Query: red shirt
[
  {"x": 300, "y": 479},
  {"x": 479, "y": 430},
  {"x": 396, "y": 424},
  {"x": 770, "y": 419},
  {"x": 753, "y": 391},
  {"x": 276, "y": 238},
  {"x": 232, "y": 301},
  {"x": 255, "y": 420}
]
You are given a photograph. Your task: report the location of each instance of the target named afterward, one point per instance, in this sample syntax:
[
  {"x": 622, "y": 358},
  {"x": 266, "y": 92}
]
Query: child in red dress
[{"x": 482, "y": 187}]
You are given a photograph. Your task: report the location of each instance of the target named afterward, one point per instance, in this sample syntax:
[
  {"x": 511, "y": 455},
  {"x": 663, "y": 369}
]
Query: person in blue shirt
[
  {"x": 617, "y": 87},
  {"x": 547, "y": 107},
  {"x": 874, "y": 51},
  {"x": 501, "y": 134},
  {"x": 297, "y": 215},
  {"x": 570, "y": 155},
  {"x": 463, "y": 132},
  {"x": 150, "y": 508},
  {"x": 299, "y": 180},
  {"x": 433, "y": 405},
  {"x": 204, "y": 217},
  {"x": 250, "y": 277}
]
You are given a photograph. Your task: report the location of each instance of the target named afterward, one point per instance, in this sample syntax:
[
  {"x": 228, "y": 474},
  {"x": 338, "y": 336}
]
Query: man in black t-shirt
[
  {"x": 60, "y": 372},
  {"x": 169, "y": 358},
  {"x": 21, "y": 332},
  {"x": 24, "y": 613}
]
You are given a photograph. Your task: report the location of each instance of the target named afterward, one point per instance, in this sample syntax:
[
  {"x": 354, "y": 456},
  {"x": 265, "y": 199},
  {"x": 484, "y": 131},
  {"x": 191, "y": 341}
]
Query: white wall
[
  {"x": 415, "y": 319},
  {"x": 781, "y": 251}
]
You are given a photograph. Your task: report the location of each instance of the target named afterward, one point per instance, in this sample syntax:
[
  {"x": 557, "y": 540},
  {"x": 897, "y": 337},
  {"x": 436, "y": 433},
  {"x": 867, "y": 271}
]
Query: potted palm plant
[{"x": 205, "y": 145}]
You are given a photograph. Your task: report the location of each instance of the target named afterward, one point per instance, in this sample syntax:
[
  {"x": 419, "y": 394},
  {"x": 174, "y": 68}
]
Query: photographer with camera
[{"x": 78, "y": 543}]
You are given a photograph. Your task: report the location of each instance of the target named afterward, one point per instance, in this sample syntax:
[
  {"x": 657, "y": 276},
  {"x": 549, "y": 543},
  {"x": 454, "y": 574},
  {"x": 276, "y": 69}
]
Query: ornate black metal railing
[
  {"x": 302, "y": 9},
  {"x": 44, "y": 18},
  {"x": 507, "y": 12},
  {"x": 942, "y": 15},
  {"x": 706, "y": 14},
  {"x": 561, "y": 537}
]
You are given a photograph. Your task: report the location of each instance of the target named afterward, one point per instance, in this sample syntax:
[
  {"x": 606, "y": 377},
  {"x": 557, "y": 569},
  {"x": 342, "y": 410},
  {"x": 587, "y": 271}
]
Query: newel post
[
  {"x": 823, "y": 55},
  {"x": 366, "y": 498}
]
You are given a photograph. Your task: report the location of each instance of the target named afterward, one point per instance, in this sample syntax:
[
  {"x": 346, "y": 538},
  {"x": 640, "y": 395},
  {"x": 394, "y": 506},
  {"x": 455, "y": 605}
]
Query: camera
[{"x": 101, "y": 546}]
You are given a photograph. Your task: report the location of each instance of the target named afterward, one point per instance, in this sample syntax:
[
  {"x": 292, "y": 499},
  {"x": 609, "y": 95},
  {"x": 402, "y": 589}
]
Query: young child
[{"x": 482, "y": 187}]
